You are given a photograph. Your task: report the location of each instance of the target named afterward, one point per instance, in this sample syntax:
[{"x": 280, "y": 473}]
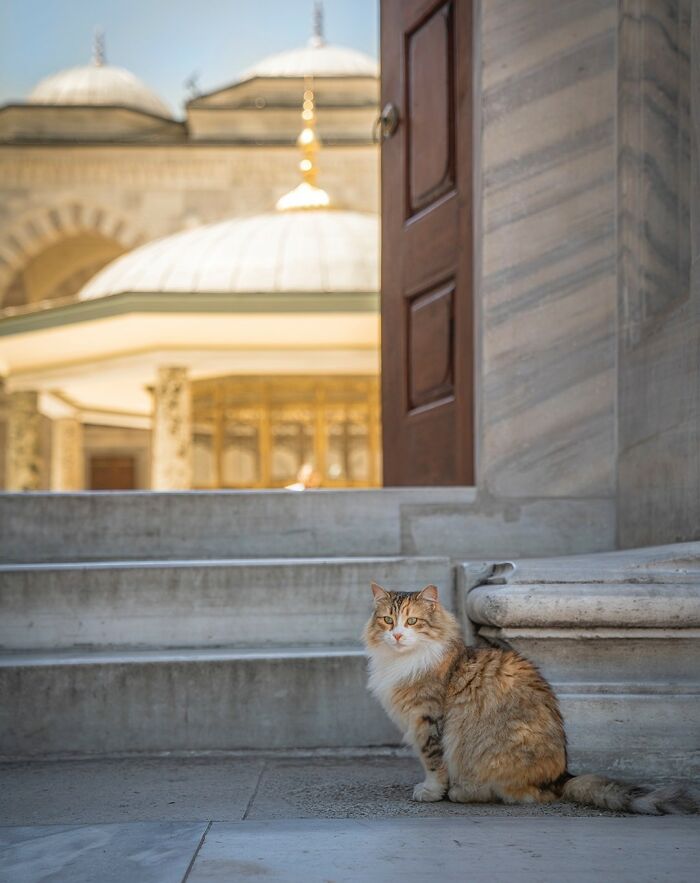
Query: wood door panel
[
  {"x": 430, "y": 368},
  {"x": 431, "y": 243},
  {"x": 429, "y": 463},
  {"x": 429, "y": 101},
  {"x": 427, "y": 321}
]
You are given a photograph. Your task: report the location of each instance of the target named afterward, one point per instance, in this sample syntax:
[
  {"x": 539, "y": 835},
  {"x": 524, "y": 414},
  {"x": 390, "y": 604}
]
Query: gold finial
[
  {"x": 306, "y": 195},
  {"x": 98, "y": 47},
  {"x": 317, "y": 38}
]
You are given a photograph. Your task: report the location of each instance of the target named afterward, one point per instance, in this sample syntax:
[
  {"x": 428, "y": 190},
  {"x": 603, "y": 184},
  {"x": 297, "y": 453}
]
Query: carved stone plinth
[
  {"x": 618, "y": 636},
  {"x": 172, "y": 431},
  {"x": 23, "y": 442}
]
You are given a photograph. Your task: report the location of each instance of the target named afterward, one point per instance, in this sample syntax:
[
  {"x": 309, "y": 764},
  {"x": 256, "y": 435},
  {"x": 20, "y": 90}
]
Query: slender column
[
  {"x": 66, "y": 454},
  {"x": 172, "y": 431},
  {"x": 23, "y": 441}
]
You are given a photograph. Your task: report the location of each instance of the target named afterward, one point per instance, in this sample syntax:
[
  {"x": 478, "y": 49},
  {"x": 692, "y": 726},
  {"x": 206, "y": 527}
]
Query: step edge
[
  {"x": 218, "y": 563},
  {"x": 185, "y": 654}
]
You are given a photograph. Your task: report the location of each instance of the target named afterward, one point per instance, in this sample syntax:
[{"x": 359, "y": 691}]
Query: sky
[{"x": 165, "y": 41}]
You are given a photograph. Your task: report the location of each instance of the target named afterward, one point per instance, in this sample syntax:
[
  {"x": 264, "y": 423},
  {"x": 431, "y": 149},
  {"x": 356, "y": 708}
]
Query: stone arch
[{"x": 35, "y": 231}]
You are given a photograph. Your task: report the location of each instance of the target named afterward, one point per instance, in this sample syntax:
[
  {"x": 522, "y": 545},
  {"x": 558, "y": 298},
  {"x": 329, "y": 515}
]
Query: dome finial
[
  {"x": 317, "y": 37},
  {"x": 306, "y": 195},
  {"x": 98, "y": 47}
]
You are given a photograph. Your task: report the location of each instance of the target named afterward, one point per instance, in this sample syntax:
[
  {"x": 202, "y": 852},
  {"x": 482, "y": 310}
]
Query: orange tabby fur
[{"x": 485, "y": 723}]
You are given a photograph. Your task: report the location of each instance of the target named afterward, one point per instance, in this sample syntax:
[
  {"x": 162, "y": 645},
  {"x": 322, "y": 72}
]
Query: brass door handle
[{"x": 386, "y": 123}]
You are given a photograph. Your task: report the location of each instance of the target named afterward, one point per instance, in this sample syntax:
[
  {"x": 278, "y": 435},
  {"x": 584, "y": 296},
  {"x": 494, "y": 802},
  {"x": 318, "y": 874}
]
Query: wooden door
[
  {"x": 427, "y": 304},
  {"x": 112, "y": 473}
]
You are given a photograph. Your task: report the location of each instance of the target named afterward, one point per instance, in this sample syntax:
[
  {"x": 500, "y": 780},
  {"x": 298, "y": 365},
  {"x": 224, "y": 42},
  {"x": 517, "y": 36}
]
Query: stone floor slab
[
  {"x": 124, "y": 853},
  {"x": 229, "y": 788},
  {"x": 127, "y": 790},
  {"x": 366, "y": 787},
  {"x": 627, "y": 850}
]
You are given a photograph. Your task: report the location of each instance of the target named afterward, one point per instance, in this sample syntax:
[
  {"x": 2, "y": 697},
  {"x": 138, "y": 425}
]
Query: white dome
[
  {"x": 321, "y": 250},
  {"x": 98, "y": 84},
  {"x": 315, "y": 60}
]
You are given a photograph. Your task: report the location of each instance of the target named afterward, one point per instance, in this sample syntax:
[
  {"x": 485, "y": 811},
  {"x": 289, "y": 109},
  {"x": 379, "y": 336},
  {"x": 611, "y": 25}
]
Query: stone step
[
  {"x": 170, "y": 604},
  {"x": 454, "y": 522},
  {"x": 189, "y": 700},
  {"x": 126, "y": 702},
  {"x": 200, "y": 525}
]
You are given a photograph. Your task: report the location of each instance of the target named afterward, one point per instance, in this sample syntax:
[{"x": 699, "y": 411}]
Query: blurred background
[{"x": 189, "y": 245}]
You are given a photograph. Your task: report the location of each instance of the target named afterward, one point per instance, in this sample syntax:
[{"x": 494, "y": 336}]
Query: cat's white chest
[
  {"x": 387, "y": 671},
  {"x": 384, "y": 677}
]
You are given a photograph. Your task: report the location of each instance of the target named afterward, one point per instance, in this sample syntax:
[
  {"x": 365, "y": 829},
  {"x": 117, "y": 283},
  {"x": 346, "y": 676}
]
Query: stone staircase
[
  {"x": 195, "y": 622},
  {"x": 108, "y": 657},
  {"x": 117, "y": 637}
]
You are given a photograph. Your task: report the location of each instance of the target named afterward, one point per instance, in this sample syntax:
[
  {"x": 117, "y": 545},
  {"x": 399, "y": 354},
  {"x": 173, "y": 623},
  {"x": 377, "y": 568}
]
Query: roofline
[
  {"x": 278, "y": 106},
  {"x": 236, "y": 83},
  {"x": 30, "y": 105},
  {"x": 188, "y": 142},
  {"x": 190, "y": 302}
]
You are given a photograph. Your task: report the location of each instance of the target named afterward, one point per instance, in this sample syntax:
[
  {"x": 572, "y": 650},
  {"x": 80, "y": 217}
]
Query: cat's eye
[
  {"x": 411, "y": 620},
  {"x": 388, "y": 620}
]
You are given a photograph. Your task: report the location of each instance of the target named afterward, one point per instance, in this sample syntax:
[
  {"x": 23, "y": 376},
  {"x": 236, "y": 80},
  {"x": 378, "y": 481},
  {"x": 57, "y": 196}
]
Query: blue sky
[{"x": 165, "y": 41}]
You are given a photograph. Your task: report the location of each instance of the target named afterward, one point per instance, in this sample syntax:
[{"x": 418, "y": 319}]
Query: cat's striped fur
[{"x": 485, "y": 723}]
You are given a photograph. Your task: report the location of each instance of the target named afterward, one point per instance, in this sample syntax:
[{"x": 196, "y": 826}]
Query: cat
[{"x": 485, "y": 723}]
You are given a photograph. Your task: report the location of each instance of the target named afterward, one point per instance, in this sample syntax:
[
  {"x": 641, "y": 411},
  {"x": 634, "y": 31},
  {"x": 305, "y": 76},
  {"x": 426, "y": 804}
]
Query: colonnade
[{"x": 43, "y": 456}]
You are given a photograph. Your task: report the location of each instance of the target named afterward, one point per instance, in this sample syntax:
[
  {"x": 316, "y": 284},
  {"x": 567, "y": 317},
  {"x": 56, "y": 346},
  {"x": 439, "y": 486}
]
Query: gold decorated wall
[{"x": 257, "y": 432}]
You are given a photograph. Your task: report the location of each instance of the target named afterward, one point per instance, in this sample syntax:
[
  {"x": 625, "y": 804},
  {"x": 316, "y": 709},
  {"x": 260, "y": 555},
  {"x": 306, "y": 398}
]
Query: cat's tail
[{"x": 593, "y": 790}]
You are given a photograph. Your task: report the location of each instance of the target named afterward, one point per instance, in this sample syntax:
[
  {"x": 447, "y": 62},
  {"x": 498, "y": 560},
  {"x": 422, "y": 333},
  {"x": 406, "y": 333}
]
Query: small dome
[
  {"x": 318, "y": 59},
  {"x": 98, "y": 84},
  {"x": 322, "y": 250}
]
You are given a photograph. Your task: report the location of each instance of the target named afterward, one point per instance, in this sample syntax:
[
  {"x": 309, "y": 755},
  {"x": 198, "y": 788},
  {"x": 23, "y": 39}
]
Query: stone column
[
  {"x": 66, "y": 454},
  {"x": 23, "y": 441},
  {"x": 171, "y": 440}
]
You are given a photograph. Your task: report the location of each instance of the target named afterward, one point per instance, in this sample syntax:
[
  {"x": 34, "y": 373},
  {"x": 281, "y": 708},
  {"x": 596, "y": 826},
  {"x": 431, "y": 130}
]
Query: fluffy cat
[{"x": 485, "y": 723}]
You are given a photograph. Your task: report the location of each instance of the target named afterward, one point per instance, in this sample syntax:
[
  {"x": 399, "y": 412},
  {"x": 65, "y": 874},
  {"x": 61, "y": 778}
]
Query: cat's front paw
[{"x": 428, "y": 792}]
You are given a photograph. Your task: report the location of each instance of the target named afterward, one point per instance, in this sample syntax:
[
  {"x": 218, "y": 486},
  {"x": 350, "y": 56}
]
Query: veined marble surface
[
  {"x": 145, "y": 852},
  {"x": 659, "y": 293},
  {"x": 382, "y": 850},
  {"x": 548, "y": 270}
]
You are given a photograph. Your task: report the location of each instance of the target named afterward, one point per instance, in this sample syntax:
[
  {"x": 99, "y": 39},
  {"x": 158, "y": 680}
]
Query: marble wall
[
  {"x": 588, "y": 274},
  {"x": 547, "y": 282},
  {"x": 659, "y": 273}
]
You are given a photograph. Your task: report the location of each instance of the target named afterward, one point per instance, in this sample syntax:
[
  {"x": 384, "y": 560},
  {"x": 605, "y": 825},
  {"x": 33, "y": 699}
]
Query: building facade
[{"x": 94, "y": 166}]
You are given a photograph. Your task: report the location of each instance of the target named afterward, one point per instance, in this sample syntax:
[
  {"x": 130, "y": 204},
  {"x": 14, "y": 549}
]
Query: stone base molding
[{"x": 618, "y": 636}]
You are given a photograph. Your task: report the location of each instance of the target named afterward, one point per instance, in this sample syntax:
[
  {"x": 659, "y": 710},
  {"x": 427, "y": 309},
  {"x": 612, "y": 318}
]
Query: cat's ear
[
  {"x": 379, "y": 593},
  {"x": 429, "y": 594}
]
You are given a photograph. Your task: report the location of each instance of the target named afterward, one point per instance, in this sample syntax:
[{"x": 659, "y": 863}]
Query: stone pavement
[{"x": 305, "y": 817}]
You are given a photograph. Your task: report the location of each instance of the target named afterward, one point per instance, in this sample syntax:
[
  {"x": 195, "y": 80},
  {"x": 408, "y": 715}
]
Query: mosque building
[{"x": 180, "y": 307}]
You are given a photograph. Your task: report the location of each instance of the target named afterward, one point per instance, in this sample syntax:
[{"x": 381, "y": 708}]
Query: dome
[
  {"x": 317, "y": 59},
  {"x": 322, "y": 250},
  {"x": 98, "y": 84}
]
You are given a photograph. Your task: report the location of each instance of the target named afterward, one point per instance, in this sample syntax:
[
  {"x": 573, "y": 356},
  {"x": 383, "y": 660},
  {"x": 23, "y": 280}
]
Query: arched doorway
[
  {"x": 49, "y": 253},
  {"x": 61, "y": 269}
]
